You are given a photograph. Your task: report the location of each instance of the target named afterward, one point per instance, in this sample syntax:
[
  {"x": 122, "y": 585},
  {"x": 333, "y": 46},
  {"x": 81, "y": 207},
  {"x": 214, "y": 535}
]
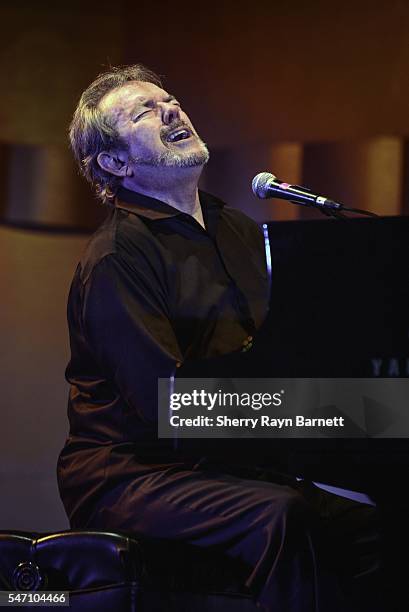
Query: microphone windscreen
[{"x": 260, "y": 183}]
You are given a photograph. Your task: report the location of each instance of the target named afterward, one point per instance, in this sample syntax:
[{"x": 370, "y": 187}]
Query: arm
[{"x": 125, "y": 316}]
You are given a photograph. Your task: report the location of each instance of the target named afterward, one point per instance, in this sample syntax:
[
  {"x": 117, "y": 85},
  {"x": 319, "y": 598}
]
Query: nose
[{"x": 170, "y": 112}]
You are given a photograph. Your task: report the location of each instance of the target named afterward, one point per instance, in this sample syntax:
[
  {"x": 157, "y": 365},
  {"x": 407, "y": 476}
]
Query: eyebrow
[{"x": 142, "y": 101}]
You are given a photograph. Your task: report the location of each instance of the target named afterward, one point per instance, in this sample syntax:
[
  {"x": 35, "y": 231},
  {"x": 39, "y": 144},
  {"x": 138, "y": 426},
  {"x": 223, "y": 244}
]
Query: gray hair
[{"x": 92, "y": 132}]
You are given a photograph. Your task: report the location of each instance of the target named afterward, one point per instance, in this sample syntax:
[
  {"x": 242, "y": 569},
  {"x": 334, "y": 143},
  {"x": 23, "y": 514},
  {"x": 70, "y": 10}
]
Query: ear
[{"x": 112, "y": 163}]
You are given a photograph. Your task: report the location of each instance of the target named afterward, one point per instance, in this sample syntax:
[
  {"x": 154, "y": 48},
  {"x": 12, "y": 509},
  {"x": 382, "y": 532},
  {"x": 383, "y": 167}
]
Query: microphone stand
[{"x": 336, "y": 213}]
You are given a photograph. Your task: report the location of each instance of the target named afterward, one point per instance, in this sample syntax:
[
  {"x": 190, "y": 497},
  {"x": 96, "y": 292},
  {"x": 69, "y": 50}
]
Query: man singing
[{"x": 172, "y": 275}]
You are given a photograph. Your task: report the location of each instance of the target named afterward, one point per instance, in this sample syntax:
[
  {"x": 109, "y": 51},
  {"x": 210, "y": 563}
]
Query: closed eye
[{"x": 140, "y": 115}]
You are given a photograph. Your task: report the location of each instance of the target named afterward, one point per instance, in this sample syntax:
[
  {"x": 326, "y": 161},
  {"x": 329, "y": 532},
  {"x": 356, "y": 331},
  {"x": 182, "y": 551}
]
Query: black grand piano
[{"x": 339, "y": 308}]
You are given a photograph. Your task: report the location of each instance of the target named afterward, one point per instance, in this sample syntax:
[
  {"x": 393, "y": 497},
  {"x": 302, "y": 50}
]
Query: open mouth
[{"x": 178, "y": 135}]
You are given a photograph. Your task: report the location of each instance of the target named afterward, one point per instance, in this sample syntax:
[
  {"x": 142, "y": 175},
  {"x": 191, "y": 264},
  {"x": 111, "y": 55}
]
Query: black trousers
[{"x": 307, "y": 550}]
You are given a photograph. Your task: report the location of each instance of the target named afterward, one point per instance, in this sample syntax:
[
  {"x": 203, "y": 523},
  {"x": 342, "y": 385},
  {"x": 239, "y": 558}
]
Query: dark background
[{"x": 316, "y": 92}]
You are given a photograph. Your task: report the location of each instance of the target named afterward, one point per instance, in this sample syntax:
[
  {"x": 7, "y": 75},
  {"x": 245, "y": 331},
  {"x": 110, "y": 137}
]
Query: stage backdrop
[{"x": 36, "y": 269}]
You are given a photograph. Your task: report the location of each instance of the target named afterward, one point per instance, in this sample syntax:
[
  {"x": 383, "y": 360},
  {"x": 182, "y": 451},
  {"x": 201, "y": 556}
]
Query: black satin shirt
[{"x": 153, "y": 289}]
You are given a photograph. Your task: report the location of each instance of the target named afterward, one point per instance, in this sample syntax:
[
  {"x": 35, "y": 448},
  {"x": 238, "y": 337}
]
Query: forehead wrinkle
[
  {"x": 113, "y": 98},
  {"x": 128, "y": 88},
  {"x": 123, "y": 108},
  {"x": 117, "y": 105}
]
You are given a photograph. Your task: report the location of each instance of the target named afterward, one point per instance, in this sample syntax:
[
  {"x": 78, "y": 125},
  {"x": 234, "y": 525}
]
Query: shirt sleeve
[{"x": 127, "y": 325}]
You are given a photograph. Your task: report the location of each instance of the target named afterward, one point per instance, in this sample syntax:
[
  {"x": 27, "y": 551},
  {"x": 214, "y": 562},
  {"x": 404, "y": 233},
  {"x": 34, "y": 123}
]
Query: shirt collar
[{"x": 154, "y": 209}]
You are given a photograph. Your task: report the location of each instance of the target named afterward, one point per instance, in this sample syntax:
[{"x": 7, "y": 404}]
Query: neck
[{"x": 177, "y": 187}]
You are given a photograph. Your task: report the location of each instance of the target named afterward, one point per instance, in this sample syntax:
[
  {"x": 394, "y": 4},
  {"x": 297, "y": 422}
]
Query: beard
[
  {"x": 171, "y": 157},
  {"x": 176, "y": 159}
]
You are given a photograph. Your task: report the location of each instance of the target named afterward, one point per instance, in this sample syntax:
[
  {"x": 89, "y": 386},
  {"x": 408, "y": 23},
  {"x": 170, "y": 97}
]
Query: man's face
[{"x": 153, "y": 127}]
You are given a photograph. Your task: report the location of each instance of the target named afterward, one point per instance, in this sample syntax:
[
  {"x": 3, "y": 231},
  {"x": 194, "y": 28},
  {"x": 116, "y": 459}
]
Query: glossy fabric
[{"x": 301, "y": 549}]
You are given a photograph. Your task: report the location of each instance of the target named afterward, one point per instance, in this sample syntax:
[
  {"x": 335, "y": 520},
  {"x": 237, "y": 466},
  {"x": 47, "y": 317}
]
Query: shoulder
[
  {"x": 122, "y": 236},
  {"x": 244, "y": 227},
  {"x": 233, "y": 216},
  {"x": 240, "y": 219}
]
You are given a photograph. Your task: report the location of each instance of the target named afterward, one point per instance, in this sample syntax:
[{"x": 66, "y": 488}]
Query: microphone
[{"x": 266, "y": 185}]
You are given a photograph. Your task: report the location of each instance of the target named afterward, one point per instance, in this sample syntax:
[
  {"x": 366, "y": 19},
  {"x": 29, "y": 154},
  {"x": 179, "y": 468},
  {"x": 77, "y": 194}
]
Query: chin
[
  {"x": 185, "y": 159},
  {"x": 198, "y": 155}
]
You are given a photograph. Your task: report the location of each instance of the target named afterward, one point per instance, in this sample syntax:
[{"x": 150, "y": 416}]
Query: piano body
[{"x": 339, "y": 308}]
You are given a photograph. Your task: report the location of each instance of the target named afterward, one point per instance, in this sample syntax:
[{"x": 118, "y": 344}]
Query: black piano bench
[{"x": 117, "y": 572}]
